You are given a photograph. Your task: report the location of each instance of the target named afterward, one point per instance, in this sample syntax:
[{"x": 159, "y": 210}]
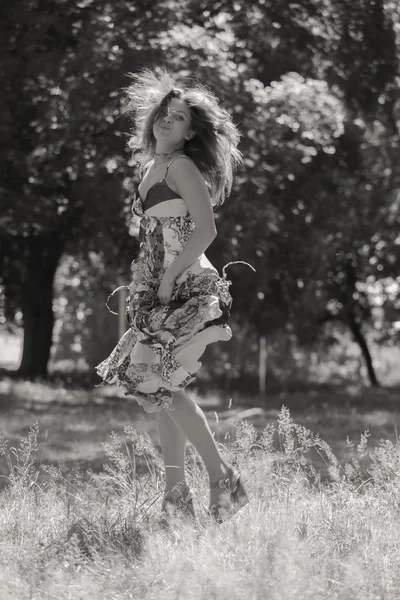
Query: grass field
[
  {"x": 79, "y": 520},
  {"x": 74, "y": 422}
]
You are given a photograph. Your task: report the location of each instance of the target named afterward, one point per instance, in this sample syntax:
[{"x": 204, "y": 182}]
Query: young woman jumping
[{"x": 178, "y": 303}]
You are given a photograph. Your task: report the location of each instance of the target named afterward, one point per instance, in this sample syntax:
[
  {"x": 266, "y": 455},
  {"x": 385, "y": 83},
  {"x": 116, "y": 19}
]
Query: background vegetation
[{"x": 314, "y": 88}]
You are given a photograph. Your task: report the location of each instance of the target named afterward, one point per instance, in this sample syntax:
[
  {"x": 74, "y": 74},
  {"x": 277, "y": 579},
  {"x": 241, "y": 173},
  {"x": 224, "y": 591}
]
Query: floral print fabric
[{"x": 159, "y": 352}]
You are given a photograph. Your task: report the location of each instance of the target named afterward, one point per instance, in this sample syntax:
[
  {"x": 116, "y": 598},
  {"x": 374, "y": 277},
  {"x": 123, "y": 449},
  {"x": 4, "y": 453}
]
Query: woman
[{"x": 178, "y": 303}]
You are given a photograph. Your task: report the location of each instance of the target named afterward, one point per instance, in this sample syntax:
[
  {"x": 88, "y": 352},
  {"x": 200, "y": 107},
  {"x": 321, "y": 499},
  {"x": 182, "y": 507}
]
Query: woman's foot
[
  {"x": 227, "y": 496},
  {"x": 178, "y": 502}
]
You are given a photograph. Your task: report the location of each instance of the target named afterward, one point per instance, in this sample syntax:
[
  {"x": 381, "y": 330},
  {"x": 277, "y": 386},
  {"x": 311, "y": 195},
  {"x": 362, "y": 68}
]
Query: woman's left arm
[{"x": 191, "y": 186}]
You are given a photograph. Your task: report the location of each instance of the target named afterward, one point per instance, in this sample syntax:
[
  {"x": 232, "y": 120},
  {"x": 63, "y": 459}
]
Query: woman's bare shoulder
[{"x": 184, "y": 166}]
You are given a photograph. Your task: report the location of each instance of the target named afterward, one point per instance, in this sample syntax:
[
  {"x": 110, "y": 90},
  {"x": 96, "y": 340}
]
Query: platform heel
[
  {"x": 231, "y": 496},
  {"x": 182, "y": 506}
]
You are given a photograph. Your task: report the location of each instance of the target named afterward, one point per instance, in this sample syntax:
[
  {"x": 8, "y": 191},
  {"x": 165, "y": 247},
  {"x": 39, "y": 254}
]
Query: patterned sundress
[{"x": 160, "y": 351}]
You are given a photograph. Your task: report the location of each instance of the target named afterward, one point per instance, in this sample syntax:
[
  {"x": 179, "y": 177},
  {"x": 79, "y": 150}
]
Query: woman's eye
[{"x": 176, "y": 116}]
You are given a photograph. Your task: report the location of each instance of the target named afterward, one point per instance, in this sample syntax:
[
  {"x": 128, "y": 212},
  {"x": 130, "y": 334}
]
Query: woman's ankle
[
  {"x": 175, "y": 490},
  {"x": 216, "y": 474}
]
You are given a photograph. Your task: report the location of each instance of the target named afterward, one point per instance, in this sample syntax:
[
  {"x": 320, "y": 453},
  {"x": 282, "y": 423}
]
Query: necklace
[
  {"x": 163, "y": 153},
  {"x": 167, "y": 153}
]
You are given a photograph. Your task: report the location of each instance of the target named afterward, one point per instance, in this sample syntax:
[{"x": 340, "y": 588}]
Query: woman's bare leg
[
  {"x": 173, "y": 442},
  {"x": 192, "y": 421}
]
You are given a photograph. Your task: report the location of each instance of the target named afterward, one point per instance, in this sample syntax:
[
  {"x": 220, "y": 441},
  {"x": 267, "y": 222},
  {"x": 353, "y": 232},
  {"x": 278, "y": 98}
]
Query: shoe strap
[
  {"x": 186, "y": 494},
  {"x": 230, "y": 479}
]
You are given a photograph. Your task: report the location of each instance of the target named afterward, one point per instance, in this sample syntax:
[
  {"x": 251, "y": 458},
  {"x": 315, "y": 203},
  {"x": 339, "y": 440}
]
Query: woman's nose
[{"x": 168, "y": 118}]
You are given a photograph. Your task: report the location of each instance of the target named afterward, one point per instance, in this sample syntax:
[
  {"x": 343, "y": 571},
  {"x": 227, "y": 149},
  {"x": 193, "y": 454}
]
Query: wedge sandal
[{"x": 228, "y": 495}]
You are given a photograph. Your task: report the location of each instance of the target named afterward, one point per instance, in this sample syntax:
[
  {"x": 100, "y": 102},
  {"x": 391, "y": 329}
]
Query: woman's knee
[{"x": 181, "y": 398}]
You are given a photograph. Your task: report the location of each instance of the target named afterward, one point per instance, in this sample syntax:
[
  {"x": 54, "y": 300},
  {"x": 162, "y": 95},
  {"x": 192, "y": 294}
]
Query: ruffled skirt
[{"x": 160, "y": 352}]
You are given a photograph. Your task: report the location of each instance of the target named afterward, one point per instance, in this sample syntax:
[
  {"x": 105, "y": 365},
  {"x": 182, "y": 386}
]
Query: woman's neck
[{"x": 163, "y": 155}]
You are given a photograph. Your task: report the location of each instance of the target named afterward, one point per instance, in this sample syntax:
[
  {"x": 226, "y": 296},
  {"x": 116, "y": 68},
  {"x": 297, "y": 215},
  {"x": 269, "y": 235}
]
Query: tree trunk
[
  {"x": 355, "y": 329},
  {"x": 42, "y": 258},
  {"x": 262, "y": 365}
]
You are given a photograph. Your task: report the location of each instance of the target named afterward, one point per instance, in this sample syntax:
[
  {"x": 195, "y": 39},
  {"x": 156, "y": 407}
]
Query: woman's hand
[{"x": 166, "y": 288}]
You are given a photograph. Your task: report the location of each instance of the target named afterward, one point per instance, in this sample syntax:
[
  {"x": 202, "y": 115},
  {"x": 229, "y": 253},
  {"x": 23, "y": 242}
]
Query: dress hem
[{"x": 160, "y": 397}]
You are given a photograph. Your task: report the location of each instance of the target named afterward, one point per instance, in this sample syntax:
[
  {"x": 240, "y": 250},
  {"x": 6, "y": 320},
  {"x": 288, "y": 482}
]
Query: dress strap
[
  {"x": 236, "y": 262},
  {"x": 121, "y": 287},
  {"x": 148, "y": 167},
  {"x": 172, "y": 160}
]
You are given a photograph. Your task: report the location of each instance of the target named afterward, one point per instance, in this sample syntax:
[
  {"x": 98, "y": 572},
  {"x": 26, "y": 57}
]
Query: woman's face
[{"x": 173, "y": 127}]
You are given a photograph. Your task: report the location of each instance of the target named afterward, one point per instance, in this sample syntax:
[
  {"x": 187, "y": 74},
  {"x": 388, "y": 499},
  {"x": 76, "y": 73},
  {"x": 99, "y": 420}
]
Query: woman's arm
[{"x": 190, "y": 184}]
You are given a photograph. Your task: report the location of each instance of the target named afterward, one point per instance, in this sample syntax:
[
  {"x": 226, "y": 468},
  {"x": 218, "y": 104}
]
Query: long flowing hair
[{"x": 213, "y": 148}]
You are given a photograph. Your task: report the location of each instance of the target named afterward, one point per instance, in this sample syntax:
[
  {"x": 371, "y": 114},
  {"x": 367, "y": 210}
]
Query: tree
[{"x": 64, "y": 64}]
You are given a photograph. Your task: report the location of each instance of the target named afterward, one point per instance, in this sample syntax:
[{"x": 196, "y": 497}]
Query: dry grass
[{"x": 69, "y": 534}]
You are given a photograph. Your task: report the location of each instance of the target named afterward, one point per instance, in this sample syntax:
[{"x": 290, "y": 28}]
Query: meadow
[{"x": 82, "y": 480}]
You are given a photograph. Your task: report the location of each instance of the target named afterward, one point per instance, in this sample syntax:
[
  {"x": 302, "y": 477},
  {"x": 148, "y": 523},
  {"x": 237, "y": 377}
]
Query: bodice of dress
[{"x": 164, "y": 207}]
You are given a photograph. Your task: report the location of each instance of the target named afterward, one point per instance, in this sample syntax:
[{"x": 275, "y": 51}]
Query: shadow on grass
[
  {"x": 300, "y": 397},
  {"x": 75, "y": 421}
]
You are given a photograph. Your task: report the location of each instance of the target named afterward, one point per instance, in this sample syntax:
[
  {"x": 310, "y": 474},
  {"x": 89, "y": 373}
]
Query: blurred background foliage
[{"x": 314, "y": 89}]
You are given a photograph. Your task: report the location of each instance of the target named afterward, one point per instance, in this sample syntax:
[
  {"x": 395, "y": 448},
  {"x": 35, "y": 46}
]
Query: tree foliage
[{"x": 313, "y": 87}]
